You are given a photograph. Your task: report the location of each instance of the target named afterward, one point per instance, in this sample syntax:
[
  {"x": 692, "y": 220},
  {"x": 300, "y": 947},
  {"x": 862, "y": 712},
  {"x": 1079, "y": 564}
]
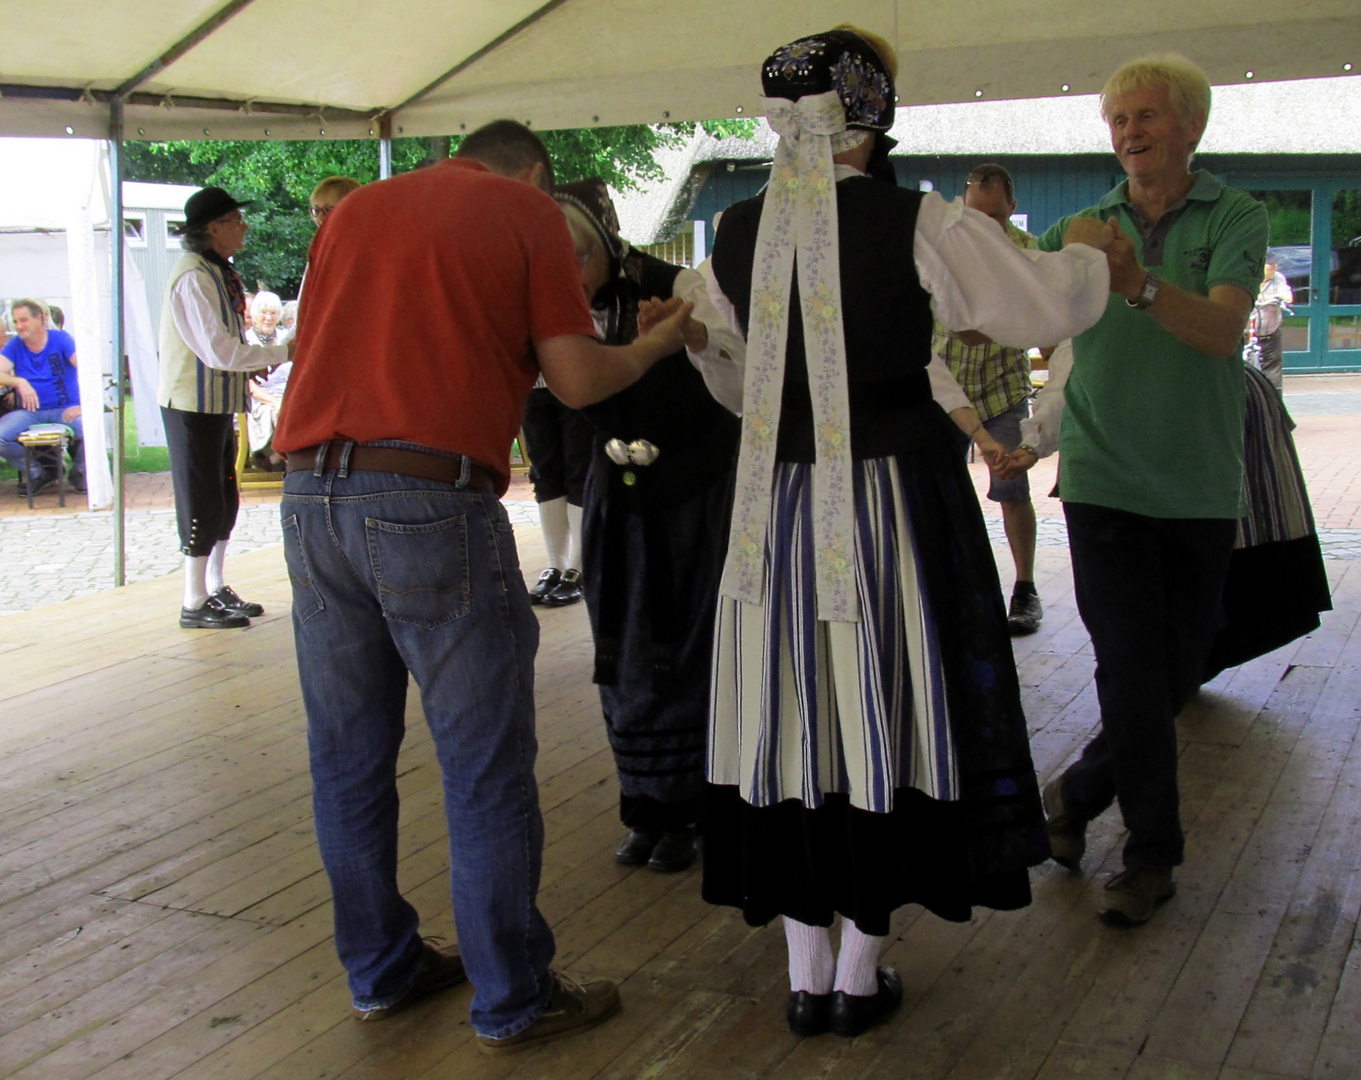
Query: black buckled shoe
[
  {"x": 636, "y": 848},
  {"x": 808, "y": 1013},
  {"x": 226, "y": 596},
  {"x": 212, "y": 616},
  {"x": 675, "y": 851},
  {"x": 851, "y": 1014},
  {"x": 548, "y": 581},
  {"x": 567, "y": 591}
]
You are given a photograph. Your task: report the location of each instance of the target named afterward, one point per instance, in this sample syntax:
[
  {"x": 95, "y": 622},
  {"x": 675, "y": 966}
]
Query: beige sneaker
[
  {"x": 572, "y": 1007},
  {"x": 1067, "y": 838},
  {"x": 1132, "y": 896}
]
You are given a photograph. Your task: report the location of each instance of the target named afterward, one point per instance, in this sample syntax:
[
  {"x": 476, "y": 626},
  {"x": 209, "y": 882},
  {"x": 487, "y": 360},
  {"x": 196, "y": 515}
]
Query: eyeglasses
[{"x": 320, "y": 212}]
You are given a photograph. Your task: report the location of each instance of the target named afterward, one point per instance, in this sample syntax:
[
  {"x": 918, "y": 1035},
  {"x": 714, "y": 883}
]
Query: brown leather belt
[{"x": 389, "y": 459}]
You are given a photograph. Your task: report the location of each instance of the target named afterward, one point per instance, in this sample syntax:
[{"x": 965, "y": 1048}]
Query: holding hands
[
  {"x": 665, "y": 316},
  {"x": 1127, "y": 276},
  {"x": 1089, "y": 231}
]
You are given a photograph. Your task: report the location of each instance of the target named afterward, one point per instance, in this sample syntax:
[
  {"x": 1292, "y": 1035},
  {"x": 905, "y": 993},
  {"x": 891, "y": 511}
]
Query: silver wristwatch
[{"x": 1147, "y": 294}]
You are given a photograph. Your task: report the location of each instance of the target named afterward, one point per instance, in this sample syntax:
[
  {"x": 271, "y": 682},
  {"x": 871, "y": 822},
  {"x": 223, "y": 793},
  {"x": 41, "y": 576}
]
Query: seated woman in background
[{"x": 266, "y": 388}]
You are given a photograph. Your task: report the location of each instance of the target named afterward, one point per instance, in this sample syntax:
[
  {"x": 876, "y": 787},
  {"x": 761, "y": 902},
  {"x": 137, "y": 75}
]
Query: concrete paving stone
[{"x": 30, "y": 576}]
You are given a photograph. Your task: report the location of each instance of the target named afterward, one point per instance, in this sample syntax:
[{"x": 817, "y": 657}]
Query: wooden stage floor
[{"x": 163, "y": 912}]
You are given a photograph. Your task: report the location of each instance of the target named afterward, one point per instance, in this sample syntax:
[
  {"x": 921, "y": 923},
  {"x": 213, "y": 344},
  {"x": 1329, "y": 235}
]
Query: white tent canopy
[{"x": 350, "y": 68}]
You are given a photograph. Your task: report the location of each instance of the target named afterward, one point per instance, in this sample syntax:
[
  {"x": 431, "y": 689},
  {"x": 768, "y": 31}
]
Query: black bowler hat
[{"x": 206, "y": 206}]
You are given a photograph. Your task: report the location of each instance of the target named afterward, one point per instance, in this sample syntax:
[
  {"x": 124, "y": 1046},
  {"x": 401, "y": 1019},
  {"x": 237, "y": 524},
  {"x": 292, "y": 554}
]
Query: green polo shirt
[{"x": 1151, "y": 425}]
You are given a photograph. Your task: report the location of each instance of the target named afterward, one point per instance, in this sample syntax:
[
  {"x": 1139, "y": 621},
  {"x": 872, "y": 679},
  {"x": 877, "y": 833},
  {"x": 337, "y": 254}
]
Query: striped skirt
[{"x": 855, "y": 767}]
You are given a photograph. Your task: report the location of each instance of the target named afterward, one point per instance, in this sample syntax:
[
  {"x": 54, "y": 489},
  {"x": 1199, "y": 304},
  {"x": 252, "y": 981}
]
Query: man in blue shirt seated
[{"x": 44, "y": 377}]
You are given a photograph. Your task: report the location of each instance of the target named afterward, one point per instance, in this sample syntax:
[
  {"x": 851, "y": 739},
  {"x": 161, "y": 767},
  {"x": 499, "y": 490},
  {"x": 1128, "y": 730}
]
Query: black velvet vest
[{"x": 887, "y": 318}]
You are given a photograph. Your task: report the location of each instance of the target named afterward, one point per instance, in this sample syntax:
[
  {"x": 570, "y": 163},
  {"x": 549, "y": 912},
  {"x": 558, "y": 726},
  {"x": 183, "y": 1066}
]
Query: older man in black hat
[{"x": 205, "y": 364}]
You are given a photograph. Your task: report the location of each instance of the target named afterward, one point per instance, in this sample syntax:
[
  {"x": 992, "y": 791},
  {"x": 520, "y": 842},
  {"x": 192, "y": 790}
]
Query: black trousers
[
  {"x": 203, "y": 471},
  {"x": 558, "y": 441},
  {"x": 1148, "y": 590}
]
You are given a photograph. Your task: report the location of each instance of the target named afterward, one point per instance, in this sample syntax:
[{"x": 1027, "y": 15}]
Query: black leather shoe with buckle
[
  {"x": 212, "y": 616},
  {"x": 567, "y": 591},
  {"x": 548, "y": 581},
  {"x": 226, "y": 596}
]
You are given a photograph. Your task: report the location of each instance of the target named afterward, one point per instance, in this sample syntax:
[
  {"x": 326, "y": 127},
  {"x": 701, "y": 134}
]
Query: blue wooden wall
[{"x": 1047, "y": 187}]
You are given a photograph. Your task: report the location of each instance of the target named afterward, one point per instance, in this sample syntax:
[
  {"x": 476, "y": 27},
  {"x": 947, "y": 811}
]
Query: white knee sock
[
  {"x": 195, "y": 581},
  {"x": 215, "y": 580},
  {"x": 573, "y": 537},
  {"x": 553, "y": 518},
  {"x": 857, "y": 962},
  {"x": 810, "y": 957}
]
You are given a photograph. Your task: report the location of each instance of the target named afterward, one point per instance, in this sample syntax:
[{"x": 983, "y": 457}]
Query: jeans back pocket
[{"x": 421, "y": 570}]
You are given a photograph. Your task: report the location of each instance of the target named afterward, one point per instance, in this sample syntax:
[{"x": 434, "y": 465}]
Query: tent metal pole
[
  {"x": 116, "y": 289},
  {"x": 385, "y": 147}
]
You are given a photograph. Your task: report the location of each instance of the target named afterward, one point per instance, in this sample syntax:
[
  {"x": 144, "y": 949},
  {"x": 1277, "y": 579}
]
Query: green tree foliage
[
  {"x": 278, "y": 176},
  {"x": 1347, "y": 218}
]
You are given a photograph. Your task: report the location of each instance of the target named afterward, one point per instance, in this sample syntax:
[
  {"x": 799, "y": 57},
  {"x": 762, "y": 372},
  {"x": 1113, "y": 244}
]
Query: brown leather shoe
[
  {"x": 440, "y": 969},
  {"x": 572, "y": 1007},
  {"x": 1132, "y": 896},
  {"x": 1067, "y": 835}
]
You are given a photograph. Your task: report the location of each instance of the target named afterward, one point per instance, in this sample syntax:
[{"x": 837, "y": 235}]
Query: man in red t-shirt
[{"x": 403, "y": 562}]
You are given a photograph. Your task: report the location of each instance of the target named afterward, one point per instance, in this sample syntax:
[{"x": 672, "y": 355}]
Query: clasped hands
[
  {"x": 1127, "y": 276},
  {"x": 655, "y": 314},
  {"x": 1004, "y": 464}
]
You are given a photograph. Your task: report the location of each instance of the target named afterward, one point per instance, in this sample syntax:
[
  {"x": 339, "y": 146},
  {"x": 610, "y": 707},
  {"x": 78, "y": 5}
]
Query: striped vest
[{"x": 186, "y": 383}]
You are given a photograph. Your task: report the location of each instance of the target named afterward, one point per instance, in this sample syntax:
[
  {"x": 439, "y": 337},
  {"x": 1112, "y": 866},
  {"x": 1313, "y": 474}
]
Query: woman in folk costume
[
  {"x": 867, "y": 747},
  {"x": 655, "y": 525}
]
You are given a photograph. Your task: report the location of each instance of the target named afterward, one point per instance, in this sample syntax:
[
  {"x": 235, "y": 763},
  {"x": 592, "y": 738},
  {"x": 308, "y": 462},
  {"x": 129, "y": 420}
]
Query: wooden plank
[{"x": 1121, "y": 1012}]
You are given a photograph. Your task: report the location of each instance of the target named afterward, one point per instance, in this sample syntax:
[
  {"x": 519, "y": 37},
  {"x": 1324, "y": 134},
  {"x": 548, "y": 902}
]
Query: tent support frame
[{"x": 119, "y": 366}]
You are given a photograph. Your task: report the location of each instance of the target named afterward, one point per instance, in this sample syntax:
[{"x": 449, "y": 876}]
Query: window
[
  {"x": 171, "y": 224},
  {"x": 134, "y": 229}
]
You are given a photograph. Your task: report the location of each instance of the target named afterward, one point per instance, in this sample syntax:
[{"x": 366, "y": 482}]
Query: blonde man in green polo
[{"x": 1152, "y": 446}]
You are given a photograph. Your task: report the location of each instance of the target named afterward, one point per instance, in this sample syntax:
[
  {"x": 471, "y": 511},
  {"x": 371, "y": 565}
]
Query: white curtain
[{"x": 88, "y": 321}]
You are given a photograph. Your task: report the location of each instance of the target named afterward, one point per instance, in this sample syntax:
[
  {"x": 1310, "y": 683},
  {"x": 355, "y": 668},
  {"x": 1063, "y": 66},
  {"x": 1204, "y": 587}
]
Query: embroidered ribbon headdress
[{"x": 823, "y": 95}]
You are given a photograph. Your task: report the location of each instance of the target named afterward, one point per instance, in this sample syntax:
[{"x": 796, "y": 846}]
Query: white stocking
[
  {"x": 195, "y": 581},
  {"x": 810, "y": 957},
  {"x": 553, "y": 518},
  {"x": 215, "y": 579},
  {"x": 858, "y": 961},
  {"x": 573, "y": 538}
]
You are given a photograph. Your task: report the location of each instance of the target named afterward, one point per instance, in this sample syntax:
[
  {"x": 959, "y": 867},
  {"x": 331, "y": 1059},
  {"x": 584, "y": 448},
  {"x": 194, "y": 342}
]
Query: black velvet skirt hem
[{"x": 813, "y": 864}]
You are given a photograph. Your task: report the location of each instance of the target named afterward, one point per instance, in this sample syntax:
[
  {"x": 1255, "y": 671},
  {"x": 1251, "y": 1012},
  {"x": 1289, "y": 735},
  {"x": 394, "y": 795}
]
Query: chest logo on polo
[{"x": 1198, "y": 258}]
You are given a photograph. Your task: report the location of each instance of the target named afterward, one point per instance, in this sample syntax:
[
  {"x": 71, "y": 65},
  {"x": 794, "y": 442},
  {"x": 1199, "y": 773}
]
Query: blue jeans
[
  {"x": 1148, "y": 590},
  {"x": 392, "y": 575},
  {"x": 14, "y": 424}
]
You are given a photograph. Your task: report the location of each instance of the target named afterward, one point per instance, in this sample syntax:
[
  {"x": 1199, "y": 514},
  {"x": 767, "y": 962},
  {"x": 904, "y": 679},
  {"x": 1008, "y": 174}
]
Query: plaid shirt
[{"x": 994, "y": 377}]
